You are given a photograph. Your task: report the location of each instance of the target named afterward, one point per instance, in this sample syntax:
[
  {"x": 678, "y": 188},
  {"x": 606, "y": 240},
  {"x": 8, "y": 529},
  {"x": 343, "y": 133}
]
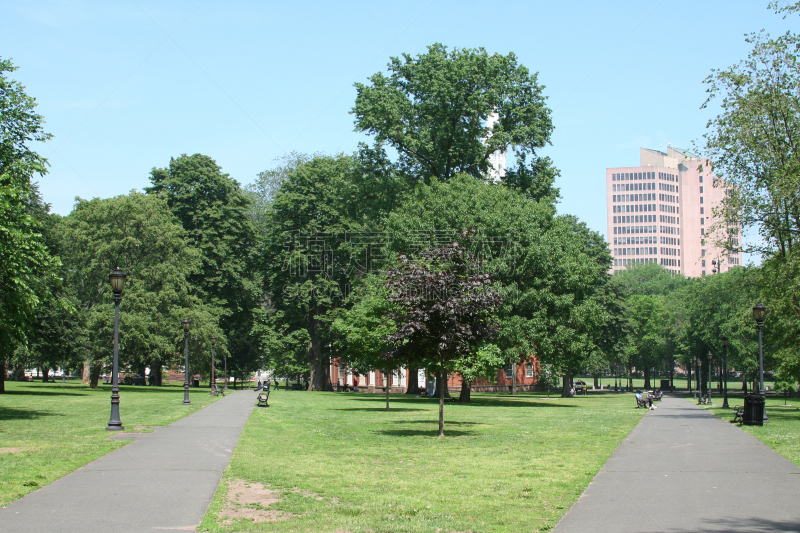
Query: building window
[
  {"x": 702, "y": 221},
  {"x": 509, "y": 370},
  {"x": 702, "y": 231},
  {"x": 529, "y": 370},
  {"x": 701, "y": 179},
  {"x": 701, "y": 189},
  {"x": 702, "y": 210},
  {"x": 701, "y": 199}
]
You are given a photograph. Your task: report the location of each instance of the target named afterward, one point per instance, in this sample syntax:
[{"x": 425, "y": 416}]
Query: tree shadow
[
  {"x": 396, "y": 409},
  {"x": 42, "y": 393},
  {"x": 739, "y": 525},
  {"x": 9, "y": 413},
  {"x": 436, "y": 422},
  {"x": 433, "y": 432}
]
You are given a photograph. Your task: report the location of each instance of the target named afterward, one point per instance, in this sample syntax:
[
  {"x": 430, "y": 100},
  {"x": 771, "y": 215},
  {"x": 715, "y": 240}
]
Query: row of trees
[{"x": 404, "y": 252}]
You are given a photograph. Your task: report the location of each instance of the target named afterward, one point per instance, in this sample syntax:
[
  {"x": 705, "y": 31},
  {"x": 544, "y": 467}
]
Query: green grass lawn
[
  {"x": 339, "y": 462},
  {"x": 782, "y": 433},
  {"x": 48, "y": 429}
]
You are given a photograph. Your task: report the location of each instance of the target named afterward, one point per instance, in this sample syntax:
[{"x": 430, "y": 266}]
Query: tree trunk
[
  {"x": 647, "y": 378},
  {"x": 412, "y": 381},
  {"x": 442, "y": 390},
  {"x": 45, "y": 374},
  {"x": 85, "y": 375},
  {"x": 3, "y": 374},
  {"x": 387, "y": 384},
  {"x": 156, "y": 368},
  {"x": 94, "y": 376},
  {"x": 514, "y": 378},
  {"x": 566, "y": 383},
  {"x": 441, "y": 380},
  {"x": 595, "y": 382},
  {"x": 319, "y": 364},
  {"x": 466, "y": 389}
]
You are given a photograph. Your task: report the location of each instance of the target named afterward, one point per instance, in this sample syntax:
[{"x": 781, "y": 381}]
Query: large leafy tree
[
  {"x": 445, "y": 308},
  {"x": 25, "y": 263},
  {"x": 138, "y": 234},
  {"x": 434, "y": 110},
  {"x": 548, "y": 268},
  {"x": 214, "y": 211},
  {"x": 323, "y": 231}
]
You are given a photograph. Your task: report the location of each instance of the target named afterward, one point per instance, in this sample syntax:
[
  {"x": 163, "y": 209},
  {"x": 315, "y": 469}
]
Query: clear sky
[{"x": 125, "y": 85}]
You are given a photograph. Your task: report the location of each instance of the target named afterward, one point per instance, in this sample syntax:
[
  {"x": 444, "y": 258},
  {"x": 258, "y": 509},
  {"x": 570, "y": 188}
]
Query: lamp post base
[{"x": 186, "y": 394}]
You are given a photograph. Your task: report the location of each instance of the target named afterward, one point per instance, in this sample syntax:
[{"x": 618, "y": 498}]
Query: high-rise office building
[{"x": 662, "y": 211}]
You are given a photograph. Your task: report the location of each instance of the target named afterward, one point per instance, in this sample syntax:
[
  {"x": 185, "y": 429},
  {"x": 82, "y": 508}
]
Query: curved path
[
  {"x": 163, "y": 481},
  {"x": 682, "y": 469}
]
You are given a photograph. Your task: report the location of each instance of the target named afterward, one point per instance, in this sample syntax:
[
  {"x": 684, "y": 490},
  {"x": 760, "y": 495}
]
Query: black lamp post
[
  {"x": 710, "y": 356},
  {"x": 225, "y": 359},
  {"x": 697, "y": 392},
  {"x": 759, "y": 314},
  {"x": 213, "y": 375},
  {"x": 186, "y": 325},
  {"x": 117, "y": 279},
  {"x": 725, "y": 373}
]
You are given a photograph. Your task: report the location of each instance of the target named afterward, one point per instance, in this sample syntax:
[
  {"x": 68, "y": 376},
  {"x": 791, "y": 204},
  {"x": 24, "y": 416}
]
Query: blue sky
[{"x": 124, "y": 86}]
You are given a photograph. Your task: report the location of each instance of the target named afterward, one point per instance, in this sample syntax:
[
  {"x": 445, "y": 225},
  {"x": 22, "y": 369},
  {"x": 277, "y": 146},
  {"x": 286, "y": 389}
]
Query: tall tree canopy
[
  {"x": 214, "y": 211},
  {"x": 137, "y": 233},
  {"x": 25, "y": 262},
  {"x": 434, "y": 110}
]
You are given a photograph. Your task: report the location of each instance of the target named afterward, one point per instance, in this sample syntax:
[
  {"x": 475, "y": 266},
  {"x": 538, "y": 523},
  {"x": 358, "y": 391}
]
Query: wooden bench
[
  {"x": 261, "y": 399},
  {"x": 738, "y": 413}
]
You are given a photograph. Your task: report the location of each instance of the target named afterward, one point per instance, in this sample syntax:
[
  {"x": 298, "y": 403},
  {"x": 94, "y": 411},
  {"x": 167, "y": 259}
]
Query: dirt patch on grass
[
  {"x": 251, "y": 501},
  {"x": 9, "y": 450}
]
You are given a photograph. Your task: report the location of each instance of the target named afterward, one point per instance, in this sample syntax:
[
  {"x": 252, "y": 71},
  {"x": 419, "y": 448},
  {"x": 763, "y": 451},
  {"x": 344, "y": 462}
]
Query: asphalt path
[
  {"x": 684, "y": 470},
  {"x": 163, "y": 481}
]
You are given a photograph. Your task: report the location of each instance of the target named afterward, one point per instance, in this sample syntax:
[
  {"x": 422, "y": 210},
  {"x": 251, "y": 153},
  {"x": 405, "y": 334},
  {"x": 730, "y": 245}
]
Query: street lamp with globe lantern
[
  {"x": 186, "y": 324},
  {"x": 725, "y": 372},
  {"x": 117, "y": 279},
  {"x": 759, "y": 314},
  {"x": 710, "y": 356},
  {"x": 213, "y": 375}
]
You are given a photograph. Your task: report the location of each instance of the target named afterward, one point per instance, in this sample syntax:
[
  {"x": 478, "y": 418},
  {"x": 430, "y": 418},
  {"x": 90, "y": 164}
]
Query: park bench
[
  {"x": 738, "y": 413},
  {"x": 640, "y": 401},
  {"x": 262, "y": 398},
  {"x": 297, "y": 386}
]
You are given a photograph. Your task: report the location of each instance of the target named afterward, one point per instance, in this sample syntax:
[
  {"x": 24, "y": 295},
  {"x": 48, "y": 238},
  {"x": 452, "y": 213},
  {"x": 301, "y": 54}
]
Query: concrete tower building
[{"x": 660, "y": 212}]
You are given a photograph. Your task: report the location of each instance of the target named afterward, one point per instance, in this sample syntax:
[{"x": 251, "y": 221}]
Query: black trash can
[
  {"x": 196, "y": 383},
  {"x": 753, "y": 410}
]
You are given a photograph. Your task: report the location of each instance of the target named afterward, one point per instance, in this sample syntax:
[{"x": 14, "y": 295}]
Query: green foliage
[
  {"x": 25, "y": 264},
  {"x": 323, "y": 233},
  {"x": 215, "y": 213},
  {"x": 139, "y": 234},
  {"x": 433, "y": 109}
]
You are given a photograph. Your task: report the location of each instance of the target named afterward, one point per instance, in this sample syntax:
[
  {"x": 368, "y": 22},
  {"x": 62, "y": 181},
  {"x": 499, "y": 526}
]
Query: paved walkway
[
  {"x": 163, "y": 481},
  {"x": 682, "y": 469}
]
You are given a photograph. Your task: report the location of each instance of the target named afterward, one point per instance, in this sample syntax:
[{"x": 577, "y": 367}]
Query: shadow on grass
[
  {"x": 396, "y": 409},
  {"x": 9, "y": 413},
  {"x": 433, "y": 432},
  {"x": 42, "y": 393},
  {"x": 492, "y": 401},
  {"x": 436, "y": 422}
]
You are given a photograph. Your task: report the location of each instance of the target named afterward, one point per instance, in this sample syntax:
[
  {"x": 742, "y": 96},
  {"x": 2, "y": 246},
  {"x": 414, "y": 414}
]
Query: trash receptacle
[
  {"x": 665, "y": 384},
  {"x": 196, "y": 383},
  {"x": 753, "y": 410}
]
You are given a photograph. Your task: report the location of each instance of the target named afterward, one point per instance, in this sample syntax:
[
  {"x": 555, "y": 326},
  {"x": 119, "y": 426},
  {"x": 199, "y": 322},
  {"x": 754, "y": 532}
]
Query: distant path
[
  {"x": 682, "y": 469},
  {"x": 163, "y": 481}
]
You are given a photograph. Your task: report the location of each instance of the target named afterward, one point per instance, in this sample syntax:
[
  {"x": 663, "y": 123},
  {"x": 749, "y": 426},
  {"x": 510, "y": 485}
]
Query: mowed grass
[
  {"x": 782, "y": 433},
  {"x": 48, "y": 429},
  {"x": 340, "y": 462}
]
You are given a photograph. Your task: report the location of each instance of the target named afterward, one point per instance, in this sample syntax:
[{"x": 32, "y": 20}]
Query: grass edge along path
[
  {"x": 782, "y": 433},
  {"x": 339, "y": 462},
  {"x": 48, "y": 430}
]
